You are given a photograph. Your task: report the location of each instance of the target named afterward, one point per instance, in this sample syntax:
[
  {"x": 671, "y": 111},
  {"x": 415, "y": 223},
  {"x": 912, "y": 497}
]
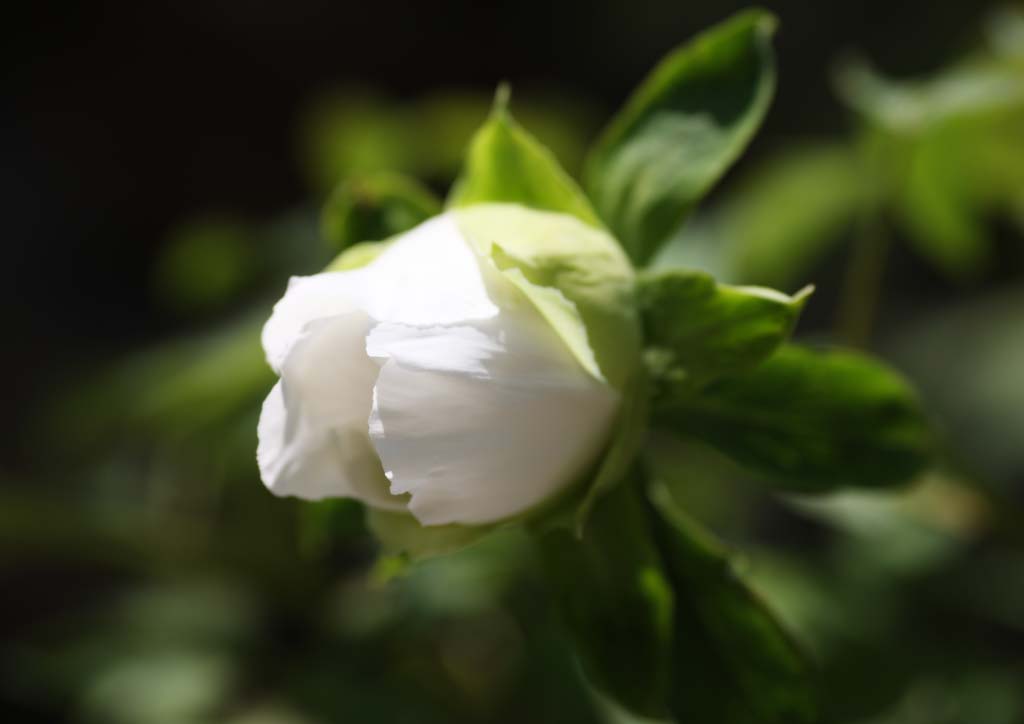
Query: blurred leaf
[
  {"x": 785, "y": 216},
  {"x": 205, "y": 264},
  {"x": 615, "y": 601},
  {"x": 697, "y": 330},
  {"x": 979, "y": 695},
  {"x": 178, "y": 387},
  {"x": 903, "y": 533},
  {"x": 400, "y": 534},
  {"x": 936, "y": 207},
  {"x": 681, "y": 130},
  {"x": 325, "y": 523},
  {"x": 355, "y": 132},
  {"x": 969, "y": 363},
  {"x": 506, "y": 164},
  {"x": 374, "y": 208},
  {"x": 732, "y": 661},
  {"x": 1005, "y": 31},
  {"x": 159, "y": 688},
  {"x": 809, "y": 420},
  {"x": 911, "y": 106},
  {"x": 946, "y": 128},
  {"x": 697, "y": 245}
]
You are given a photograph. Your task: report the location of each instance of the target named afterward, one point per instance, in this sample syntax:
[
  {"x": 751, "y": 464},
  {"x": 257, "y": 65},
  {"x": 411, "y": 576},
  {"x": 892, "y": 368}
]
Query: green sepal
[
  {"x": 681, "y": 130},
  {"x": 732, "y": 662},
  {"x": 576, "y": 275},
  {"x": 356, "y": 256},
  {"x": 506, "y": 164},
  {"x": 401, "y": 535},
  {"x": 809, "y": 420},
  {"x": 697, "y": 330},
  {"x": 627, "y": 438},
  {"x": 375, "y": 207},
  {"x": 615, "y": 600}
]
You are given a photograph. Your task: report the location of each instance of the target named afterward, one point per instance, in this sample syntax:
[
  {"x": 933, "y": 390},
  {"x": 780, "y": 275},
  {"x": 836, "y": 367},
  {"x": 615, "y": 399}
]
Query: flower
[{"x": 469, "y": 372}]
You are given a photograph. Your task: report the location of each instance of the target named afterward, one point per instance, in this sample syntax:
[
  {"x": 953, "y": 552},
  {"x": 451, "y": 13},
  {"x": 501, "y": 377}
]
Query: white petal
[
  {"x": 313, "y": 440},
  {"x": 308, "y": 299},
  {"x": 483, "y": 420},
  {"x": 428, "y": 276}
]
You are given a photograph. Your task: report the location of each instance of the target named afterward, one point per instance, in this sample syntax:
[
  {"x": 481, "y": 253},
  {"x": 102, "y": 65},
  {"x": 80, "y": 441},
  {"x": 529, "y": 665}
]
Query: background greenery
[{"x": 157, "y": 210}]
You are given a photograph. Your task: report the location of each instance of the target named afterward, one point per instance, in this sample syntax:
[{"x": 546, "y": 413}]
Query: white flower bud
[{"x": 428, "y": 381}]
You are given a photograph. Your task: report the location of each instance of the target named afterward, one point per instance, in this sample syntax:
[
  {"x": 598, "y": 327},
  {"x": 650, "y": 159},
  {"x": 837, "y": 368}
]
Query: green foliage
[
  {"x": 697, "y": 330},
  {"x": 400, "y": 534},
  {"x": 374, "y": 208},
  {"x": 627, "y": 438},
  {"x": 658, "y": 615},
  {"x": 206, "y": 263},
  {"x": 615, "y": 600},
  {"x": 970, "y": 90},
  {"x": 789, "y": 212},
  {"x": 681, "y": 130},
  {"x": 810, "y": 420},
  {"x": 937, "y": 139},
  {"x": 980, "y": 345},
  {"x": 356, "y": 132},
  {"x": 506, "y": 164},
  {"x": 731, "y": 660},
  {"x": 174, "y": 389}
]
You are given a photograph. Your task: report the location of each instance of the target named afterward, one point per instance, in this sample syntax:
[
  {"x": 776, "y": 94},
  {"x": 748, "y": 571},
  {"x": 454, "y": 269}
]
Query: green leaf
[
  {"x": 507, "y": 164},
  {"x": 811, "y": 421},
  {"x": 400, "y": 534},
  {"x": 732, "y": 663},
  {"x": 697, "y": 330},
  {"x": 681, "y": 130},
  {"x": 615, "y": 601},
  {"x": 375, "y": 207}
]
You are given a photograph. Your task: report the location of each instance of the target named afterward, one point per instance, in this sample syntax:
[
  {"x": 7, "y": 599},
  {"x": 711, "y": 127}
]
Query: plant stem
[{"x": 862, "y": 286}]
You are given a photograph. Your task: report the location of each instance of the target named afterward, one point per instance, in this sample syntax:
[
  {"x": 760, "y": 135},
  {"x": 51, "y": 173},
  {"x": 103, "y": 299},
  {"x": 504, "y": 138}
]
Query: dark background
[{"x": 122, "y": 119}]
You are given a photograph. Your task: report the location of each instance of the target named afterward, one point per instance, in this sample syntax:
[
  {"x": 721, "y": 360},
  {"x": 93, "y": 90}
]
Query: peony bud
[{"x": 471, "y": 371}]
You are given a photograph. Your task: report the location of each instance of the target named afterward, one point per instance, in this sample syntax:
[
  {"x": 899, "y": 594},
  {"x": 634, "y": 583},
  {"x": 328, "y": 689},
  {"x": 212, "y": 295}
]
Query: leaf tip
[
  {"x": 502, "y": 95},
  {"x": 800, "y": 298},
  {"x": 765, "y": 21}
]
